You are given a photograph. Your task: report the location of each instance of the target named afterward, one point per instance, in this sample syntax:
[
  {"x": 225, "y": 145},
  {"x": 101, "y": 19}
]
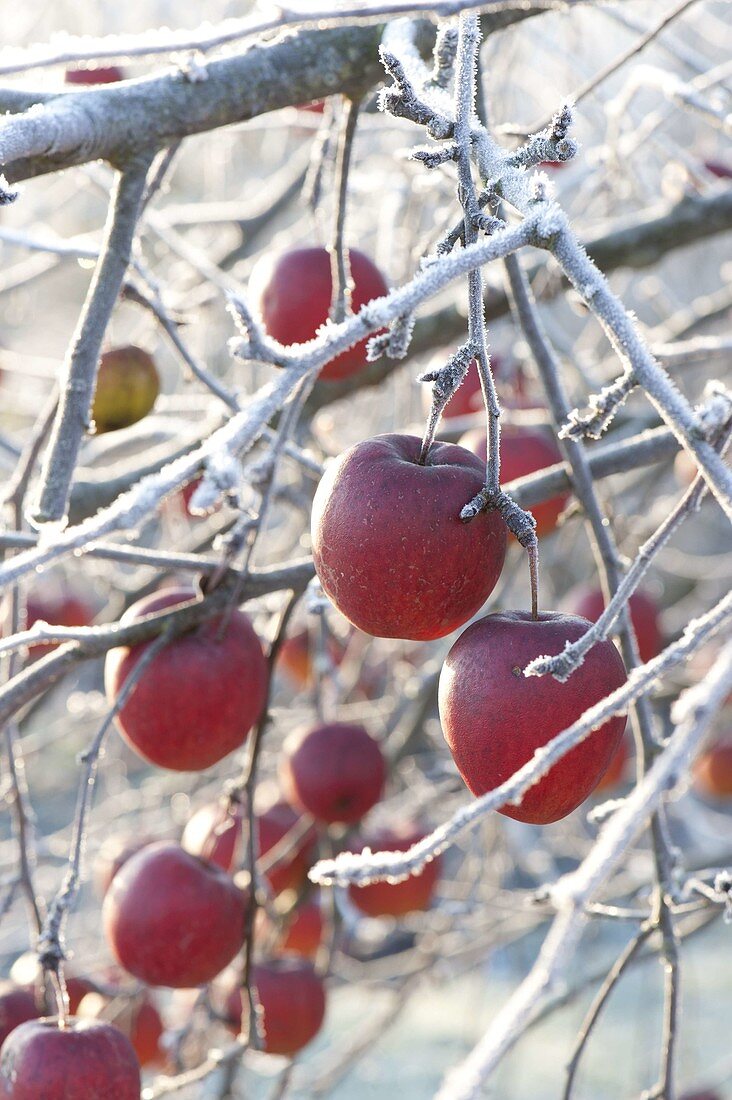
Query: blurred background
[{"x": 407, "y": 998}]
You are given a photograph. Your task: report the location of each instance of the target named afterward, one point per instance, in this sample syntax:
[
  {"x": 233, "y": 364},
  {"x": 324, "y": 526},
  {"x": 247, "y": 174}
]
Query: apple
[
  {"x": 713, "y": 770},
  {"x": 172, "y": 919},
  {"x": 126, "y": 389},
  {"x": 16, "y": 1006},
  {"x": 108, "y": 74},
  {"x": 293, "y": 291},
  {"x": 199, "y": 696},
  {"x": 396, "y": 899},
  {"x": 65, "y": 609},
  {"x": 296, "y": 656},
  {"x": 135, "y": 1016},
  {"x": 589, "y": 602},
  {"x": 334, "y": 771},
  {"x": 112, "y": 855},
  {"x": 292, "y": 1001},
  {"x": 719, "y": 169},
  {"x": 301, "y": 932},
  {"x": 86, "y": 1060},
  {"x": 468, "y": 398},
  {"x": 388, "y": 544},
  {"x": 217, "y": 833},
  {"x": 524, "y": 450},
  {"x": 494, "y": 718},
  {"x": 615, "y": 775},
  {"x": 315, "y": 106}
]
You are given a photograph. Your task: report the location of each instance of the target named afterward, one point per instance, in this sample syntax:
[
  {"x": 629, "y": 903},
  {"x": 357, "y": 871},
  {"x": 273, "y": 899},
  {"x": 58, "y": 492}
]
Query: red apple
[
  {"x": 494, "y": 718},
  {"x": 388, "y": 544},
  {"x": 719, "y": 169},
  {"x": 617, "y": 769},
  {"x": 292, "y": 1000},
  {"x": 126, "y": 389},
  {"x": 198, "y": 698},
  {"x": 65, "y": 609},
  {"x": 590, "y": 604},
  {"x": 86, "y": 1060},
  {"x": 216, "y": 833},
  {"x": 315, "y": 106},
  {"x": 135, "y": 1016},
  {"x": 334, "y": 771},
  {"x": 172, "y": 919},
  {"x": 713, "y": 770},
  {"x": 524, "y": 451},
  {"x": 293, "y": 292},
  {"x": 108, "y": 74},
  {"x": 396, "y": 899},
  {"x": 468, "y": 398},
  {"x": 16, "y": 1006},
  {"x": 112, "y": 855},
  {"x": 301, "y": 932}
]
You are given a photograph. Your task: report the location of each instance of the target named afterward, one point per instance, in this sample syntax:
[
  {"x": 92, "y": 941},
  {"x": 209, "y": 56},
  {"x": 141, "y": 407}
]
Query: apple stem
[{"x": 533, "y": 553}]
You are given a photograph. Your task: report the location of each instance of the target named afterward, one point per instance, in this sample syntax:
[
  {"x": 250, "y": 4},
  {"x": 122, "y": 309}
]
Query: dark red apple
[
  {"x": 65, "y": 609},
  {"x": 524, "y": 450},
  {"x": 172, "y": 919},
  {"x": 719, "y": 169},
  {"x": 104, "y": 74},
  {"x": 494, "y": 718},
  {"x": 293, "y": 293},
  {"x": 396, "y": 899},
  {"x": 127, "y": 387},
  {"x": 135, "y": 1016},
  {"x": 301, "y": 932},
  {"x": 198, "y": 698},
  {"x": 388, "y": 544},
  {"x": 590, "y": 604},
  {"x": 86, "y": 1060},
  {"x": 292, "y": 1000},
  {"x": 216, "y": 833},
  {"x": 334, "y": 771},
  {"x": 16, "y": 1006},
  {"x": 713, "y": 770}
]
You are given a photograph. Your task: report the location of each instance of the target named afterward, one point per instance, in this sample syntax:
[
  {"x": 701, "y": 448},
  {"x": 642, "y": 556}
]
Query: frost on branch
[
  {"x": 552, "y": 144},
  {"x": 395, "y": 342},
  {"x": 602, "y": 409}
]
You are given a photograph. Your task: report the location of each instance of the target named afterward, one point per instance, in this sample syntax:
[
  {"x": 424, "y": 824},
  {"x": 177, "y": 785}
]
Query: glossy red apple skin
[
  {"x": 17, "y": 1005},
  {"x": 87, "y": 1060},
  {"x": 293, "y": 293},
  {"x": 590, "y": 604},
  {"x": 200, "y": 695},
  {"x": 713, "y": 771},
  {"x": 335, "y": 771},
  {"x": 388, "y": 544},
  {"x": 494, "y": 718},
  {"x": 135, "y": 1016},
  {"x": 396, "y": 899},
  {"x": 105, "y": 74},
  {"x": 524, "y": 450},
  {"x": 302, "y": 932},
  {"x": 172, "y": 919},
  {"x": 292, "y": 999},
  {"x": 216, "y": 833}
]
